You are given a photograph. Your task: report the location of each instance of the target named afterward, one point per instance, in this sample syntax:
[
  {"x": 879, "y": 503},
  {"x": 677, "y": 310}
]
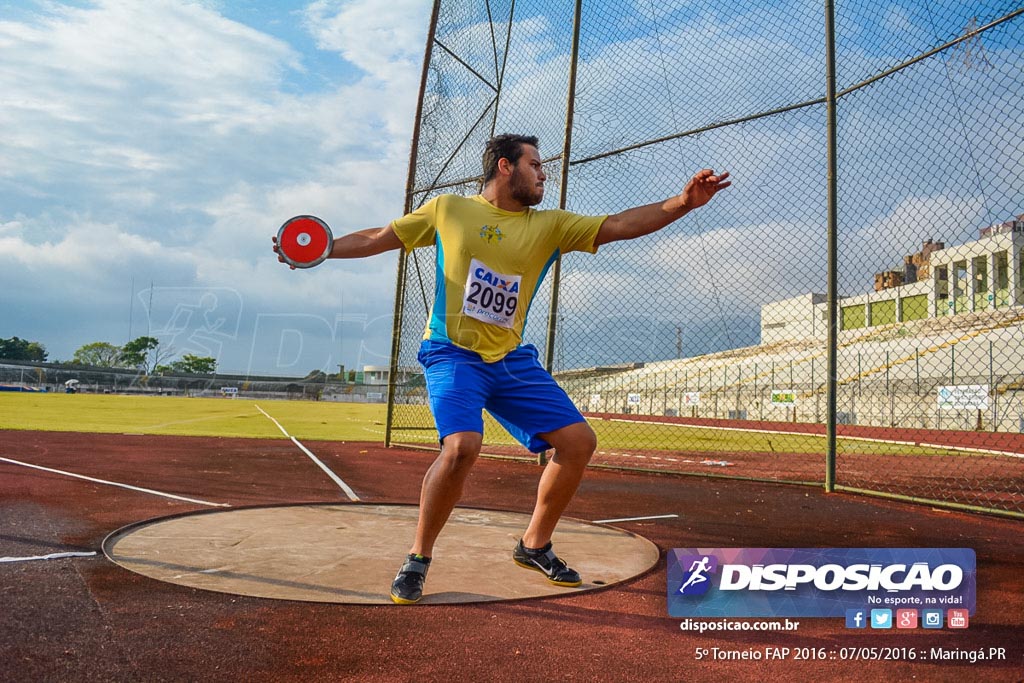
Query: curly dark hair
[{"x": 507, "y": 146}]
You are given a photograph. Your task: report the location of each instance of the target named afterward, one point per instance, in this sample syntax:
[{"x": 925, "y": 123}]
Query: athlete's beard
[{"x": 523, "y": 192}]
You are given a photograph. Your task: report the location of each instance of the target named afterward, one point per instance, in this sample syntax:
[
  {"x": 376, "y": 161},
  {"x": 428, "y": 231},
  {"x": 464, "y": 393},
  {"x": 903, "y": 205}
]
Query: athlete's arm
[
  {"x": 359, "y": 244},
  {"x": 643, "y": 220},
  {"x": 369, "y": 242}
]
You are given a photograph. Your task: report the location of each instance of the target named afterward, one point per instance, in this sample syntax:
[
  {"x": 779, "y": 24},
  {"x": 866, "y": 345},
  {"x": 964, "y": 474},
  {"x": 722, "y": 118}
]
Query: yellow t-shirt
[{"x": 490, "y": 264}]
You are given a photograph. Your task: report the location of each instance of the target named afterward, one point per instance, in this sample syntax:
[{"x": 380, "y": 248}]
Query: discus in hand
[{"x": 304, "y": 241}]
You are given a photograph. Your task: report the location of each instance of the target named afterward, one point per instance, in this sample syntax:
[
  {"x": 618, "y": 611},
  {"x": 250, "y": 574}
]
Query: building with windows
[
  {"x": 984, "y": 275},
  {"x": 379, "y": 374}
]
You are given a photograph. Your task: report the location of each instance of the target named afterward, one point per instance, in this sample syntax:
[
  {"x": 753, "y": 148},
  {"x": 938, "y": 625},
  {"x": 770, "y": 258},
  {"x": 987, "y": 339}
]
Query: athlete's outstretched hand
[
  {"x": 704, "y": 185},
  {"x": 277, "y": 250}
]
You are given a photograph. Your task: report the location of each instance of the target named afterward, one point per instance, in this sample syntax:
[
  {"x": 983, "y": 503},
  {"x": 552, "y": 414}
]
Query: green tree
[
  {"x": 144, "y": 353},
  {"x": 194, "y": 365},
  {"x": 22, "y": 349},
  {"x": 135, "y": 354},
  {"x": 102, "y": 354}
]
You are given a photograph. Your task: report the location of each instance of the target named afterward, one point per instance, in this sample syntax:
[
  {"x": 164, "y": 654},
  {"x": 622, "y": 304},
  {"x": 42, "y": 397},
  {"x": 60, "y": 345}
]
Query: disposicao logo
[
  {"x": 823, "y": 582},
  {"x": 697, "y": 579}
]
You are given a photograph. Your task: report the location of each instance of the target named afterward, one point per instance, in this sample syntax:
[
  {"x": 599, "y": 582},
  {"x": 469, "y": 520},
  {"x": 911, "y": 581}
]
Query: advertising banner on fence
[
  {"x": 817, "y": 582},
  {"x": 964, "y": 397},
  {"x": 691, "y": 398},
  {"x": 783, "y": 397}
]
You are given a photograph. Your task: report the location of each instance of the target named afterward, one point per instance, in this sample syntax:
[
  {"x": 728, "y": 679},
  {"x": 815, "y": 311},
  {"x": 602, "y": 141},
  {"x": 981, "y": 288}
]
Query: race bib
[{"x": 491, "y": 297}]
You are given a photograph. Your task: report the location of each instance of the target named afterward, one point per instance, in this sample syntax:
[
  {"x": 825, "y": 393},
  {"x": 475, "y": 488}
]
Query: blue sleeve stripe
[
  {"x": 438, "y": 326},
  {"x": 540, "y": 281}
]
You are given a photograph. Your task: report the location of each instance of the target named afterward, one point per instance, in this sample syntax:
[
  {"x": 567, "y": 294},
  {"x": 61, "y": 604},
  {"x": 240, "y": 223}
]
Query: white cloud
[
  {"x": 11, "y": 227},
  {"x": 166, "y": 142},
  {"x": 383, "y": 38},
  {"x": 88, "y": 248}
]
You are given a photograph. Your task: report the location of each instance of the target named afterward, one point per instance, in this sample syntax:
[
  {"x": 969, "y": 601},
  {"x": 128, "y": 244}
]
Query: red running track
[{"x": 88, "y": 619}]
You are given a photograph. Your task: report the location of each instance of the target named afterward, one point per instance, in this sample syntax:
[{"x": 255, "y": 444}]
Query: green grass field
[
  {"x": 636, "y": 436},
  {"x": 324, "y": 421},
  {"x": 191, "y": 416}
]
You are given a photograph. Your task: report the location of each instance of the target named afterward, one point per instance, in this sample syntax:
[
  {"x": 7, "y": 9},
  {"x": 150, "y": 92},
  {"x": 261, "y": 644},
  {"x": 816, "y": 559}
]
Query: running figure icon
[{"x": 697, "y": 571}]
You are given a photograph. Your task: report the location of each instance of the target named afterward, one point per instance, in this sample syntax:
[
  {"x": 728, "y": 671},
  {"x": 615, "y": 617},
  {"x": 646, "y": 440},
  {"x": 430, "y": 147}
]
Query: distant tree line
[
  {"x": 22, "y": 349},
  {"x": 145, "y": 354}
]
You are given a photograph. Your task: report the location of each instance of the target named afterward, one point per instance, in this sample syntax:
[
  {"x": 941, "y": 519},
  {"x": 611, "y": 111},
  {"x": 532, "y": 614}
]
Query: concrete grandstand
[{"x": 951, "y": 323}]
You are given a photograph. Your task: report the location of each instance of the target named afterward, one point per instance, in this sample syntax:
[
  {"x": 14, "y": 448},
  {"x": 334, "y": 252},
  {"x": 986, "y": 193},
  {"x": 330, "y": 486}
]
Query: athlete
[{"x": 493, "y": 251}]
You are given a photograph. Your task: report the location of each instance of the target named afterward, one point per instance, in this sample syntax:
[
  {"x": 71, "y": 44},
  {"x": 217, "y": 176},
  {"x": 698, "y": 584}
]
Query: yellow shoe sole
[{"x": 403, "y": 601}]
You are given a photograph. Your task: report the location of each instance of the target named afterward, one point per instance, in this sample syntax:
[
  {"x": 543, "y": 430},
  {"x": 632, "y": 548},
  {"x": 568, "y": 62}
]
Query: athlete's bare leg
[
  {"x": 574, "y": 445},
  {"x": 442, "y": 487}
]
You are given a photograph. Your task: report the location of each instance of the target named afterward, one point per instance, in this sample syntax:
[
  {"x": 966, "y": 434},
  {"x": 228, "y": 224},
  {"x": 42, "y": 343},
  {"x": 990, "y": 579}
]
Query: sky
[
  {"x": 150, "y": 150},
  {"x": 929, "y": 153},
  {"x": 157, "y": 146}
]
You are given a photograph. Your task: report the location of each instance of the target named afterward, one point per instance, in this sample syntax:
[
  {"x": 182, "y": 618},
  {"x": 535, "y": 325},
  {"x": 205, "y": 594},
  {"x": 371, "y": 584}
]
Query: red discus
[{"x": 304, "y": 241}]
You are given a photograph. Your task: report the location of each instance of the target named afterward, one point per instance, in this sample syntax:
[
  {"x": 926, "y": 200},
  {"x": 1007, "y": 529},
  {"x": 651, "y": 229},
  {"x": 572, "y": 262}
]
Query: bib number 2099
[
  {"x": 488, "y": 298},
  {"x": 491, "y": 297}
]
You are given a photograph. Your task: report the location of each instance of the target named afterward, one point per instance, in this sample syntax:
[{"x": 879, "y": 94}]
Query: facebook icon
[{"x": 856, "y": 618}]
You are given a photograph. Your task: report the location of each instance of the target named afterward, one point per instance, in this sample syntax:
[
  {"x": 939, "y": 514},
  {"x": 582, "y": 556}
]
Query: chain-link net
[
  {"x": 703, "y": 348},
  {"x": 930, "y": 189}
]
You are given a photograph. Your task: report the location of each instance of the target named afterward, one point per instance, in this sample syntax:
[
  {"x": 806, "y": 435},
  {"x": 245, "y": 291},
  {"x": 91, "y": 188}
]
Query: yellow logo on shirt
[{"x": 490, "y": 233}]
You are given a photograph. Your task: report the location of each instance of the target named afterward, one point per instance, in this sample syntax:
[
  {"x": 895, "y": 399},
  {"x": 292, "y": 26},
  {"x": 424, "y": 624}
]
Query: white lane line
[
  {"x": 632, "y": 519},
  {"x": 334, "y": 477},
  {"x": 51, "y": 556},
  {"x": 267, "y": 415},
  {"x": 114, "y": 483}
]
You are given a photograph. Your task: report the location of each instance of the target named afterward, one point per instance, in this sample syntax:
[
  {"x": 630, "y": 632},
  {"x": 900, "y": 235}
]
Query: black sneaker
[
  {"x": 545, "y": 561},
  {"x": 407, "y": 587}
]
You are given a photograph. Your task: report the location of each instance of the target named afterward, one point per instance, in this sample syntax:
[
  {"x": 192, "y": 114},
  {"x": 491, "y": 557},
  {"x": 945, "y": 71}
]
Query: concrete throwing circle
[{"x": 349, "y": 553}]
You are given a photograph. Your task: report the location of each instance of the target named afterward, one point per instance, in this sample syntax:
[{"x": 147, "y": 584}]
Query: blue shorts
[{"x": 517, "y": 390}]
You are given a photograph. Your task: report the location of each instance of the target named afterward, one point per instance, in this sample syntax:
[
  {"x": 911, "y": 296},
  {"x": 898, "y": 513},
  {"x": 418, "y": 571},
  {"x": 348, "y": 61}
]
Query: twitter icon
[{"x": 881, "y": 618}]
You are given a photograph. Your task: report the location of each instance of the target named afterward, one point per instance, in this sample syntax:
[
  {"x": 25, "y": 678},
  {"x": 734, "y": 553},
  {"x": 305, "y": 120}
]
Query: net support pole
[
  {"x": 563, "y": 187},
  {"x": 833, "y": 250},
  {"x": 410, "y": 186}
]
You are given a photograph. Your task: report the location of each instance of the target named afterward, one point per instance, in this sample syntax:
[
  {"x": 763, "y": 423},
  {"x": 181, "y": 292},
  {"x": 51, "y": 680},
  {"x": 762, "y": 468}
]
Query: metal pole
[
  {"x": 917, "y": 371},
  {"x": 499, "y": 70},
  {"x": 814, "y": 390},
  {"x": 131, "y": 309},
  {"x": 563, "y": 187},
  {"x": 410, "y": 185},
  {"x": 992, "y": 389},
  {"x": 833, "y": 246},
  {"x": 888, "y": 393},
  {"x": 739, "y": 391}
]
